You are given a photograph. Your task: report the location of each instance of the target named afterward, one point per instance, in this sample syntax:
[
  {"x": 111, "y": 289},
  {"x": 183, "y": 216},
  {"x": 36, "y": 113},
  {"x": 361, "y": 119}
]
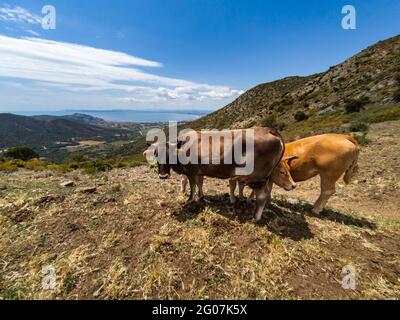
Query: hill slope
[
  {"x": 372, "y": 76},
  {"x": 374, "y": 73},
  {"x": 48, "y": 132},
  {"x": 135, "y": 239}
]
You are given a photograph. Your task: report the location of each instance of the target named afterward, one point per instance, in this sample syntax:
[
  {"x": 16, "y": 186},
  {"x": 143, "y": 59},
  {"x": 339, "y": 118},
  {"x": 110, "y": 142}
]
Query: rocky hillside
[
  {"x": 371, "y": 78},
  {"x": 369, "y": 83}
]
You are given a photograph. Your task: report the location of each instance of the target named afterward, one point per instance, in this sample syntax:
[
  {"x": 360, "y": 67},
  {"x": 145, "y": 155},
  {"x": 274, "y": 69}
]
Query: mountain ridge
[
  {"x": 369, "y": 73},
  {"x": 373, "y": 73}
]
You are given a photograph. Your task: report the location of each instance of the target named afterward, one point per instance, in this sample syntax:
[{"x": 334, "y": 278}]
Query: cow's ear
[
  {"x": 290, "y": 158},
  {"x": 148, "y": 144}
]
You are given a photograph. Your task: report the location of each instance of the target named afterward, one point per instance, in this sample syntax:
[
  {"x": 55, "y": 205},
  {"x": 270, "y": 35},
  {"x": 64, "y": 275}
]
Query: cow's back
[
  {"x": 268, "y": 150},
  {"x": 320, "y": 154}
]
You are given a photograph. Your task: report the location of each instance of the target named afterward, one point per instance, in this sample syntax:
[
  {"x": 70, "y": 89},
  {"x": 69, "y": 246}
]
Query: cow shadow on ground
[
  {"x": 327, "y": 214},
  {"x": 282, "y": 218},
  {"x": 275, "y": 219}
]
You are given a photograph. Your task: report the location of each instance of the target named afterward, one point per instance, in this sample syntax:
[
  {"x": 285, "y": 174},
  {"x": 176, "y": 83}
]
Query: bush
[
  {"x": 64, "y": 168},
  {"x": 35, "y": 165},
  {"x": 76, "y": 157},
  {"x": 362, "y": 139},
  {"x": 270, "y": 121},
  {"x": 273, "y": 105},
  {"x": 21, "y": 153},
  {"x": 95, "y": 166},
  {"x": 300, "y": 116},
  {"x": 396, "y": 95},
  {"x": 359, "y": 127},
  {"x": 8, "y": 166},
  {"x": 287, "y": 101},
  {"x": 356, "y": 105}
]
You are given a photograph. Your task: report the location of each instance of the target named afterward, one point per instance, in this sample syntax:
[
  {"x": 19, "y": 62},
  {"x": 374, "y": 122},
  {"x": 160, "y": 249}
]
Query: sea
[{"x": 126, "y": 115}]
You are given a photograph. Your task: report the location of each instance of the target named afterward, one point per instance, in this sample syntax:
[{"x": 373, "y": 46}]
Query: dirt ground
[{"x": 134, "y": 238}]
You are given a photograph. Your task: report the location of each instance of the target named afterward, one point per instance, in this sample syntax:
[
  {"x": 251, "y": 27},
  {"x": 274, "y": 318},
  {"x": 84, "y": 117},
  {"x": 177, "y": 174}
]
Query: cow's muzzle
[
  {"x": 291, "y": 187},
  {"x": 164, "y": 176}
]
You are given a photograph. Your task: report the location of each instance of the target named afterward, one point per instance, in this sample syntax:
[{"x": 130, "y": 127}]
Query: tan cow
[
  {"x": 329, "y": 156},
  {"x": 267, "y": 151}
]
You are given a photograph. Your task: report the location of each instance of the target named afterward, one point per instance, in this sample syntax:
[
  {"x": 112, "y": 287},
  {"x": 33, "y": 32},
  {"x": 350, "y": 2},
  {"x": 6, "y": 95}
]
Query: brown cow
[
  {"x": 329, "y": 156},
  {"x": 268, "y": 151}
]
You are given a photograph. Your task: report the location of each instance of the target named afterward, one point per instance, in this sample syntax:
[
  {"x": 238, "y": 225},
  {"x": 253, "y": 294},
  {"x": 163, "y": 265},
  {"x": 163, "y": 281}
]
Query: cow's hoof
[
  {"x": 256, "y": 221},
  {"x": 316, "y": 211},
  {"x": 190, "y": 201}
]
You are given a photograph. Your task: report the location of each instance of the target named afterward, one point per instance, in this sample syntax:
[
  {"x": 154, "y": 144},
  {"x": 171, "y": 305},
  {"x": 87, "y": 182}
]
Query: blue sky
[{"x": 189, "y": 54}]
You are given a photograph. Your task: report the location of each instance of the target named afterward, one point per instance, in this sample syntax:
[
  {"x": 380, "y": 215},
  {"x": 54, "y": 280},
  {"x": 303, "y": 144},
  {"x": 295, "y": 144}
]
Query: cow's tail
[{"x": 354, "y": 164}]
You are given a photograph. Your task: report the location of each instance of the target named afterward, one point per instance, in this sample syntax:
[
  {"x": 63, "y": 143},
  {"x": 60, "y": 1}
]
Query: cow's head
[
  {"x": 160, "y": 155},
  {"x": 282, "y": 176}
]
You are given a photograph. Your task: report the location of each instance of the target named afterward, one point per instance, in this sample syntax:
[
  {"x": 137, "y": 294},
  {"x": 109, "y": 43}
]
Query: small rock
[
  {"x": 293, "y": 201},
  {"x": 98, "y": 292},
  {"x": 72, "y": 227},
  {"x": 44, "y": 200},
  {"x": 3, "y": 188},
  {"x": 88, "y": 190},
  {"x": 67, "y": 184}
]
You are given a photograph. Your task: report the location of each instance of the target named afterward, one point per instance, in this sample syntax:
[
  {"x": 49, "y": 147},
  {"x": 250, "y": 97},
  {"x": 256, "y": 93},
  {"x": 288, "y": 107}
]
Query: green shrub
[
  {"x": 300, "y": 116},
  {"x": 287, "y": 101},
  {"x": 12, "y": 165},
  {"x": 8, "y": 166},
  {"x": 36, "y": 165},
  {"x": 95, "y": 166},
  {"x": 116, "y": 188},
  {"x": 396, "y": 95},
  {"x": 21, "y": 153},
  {"x": 358, "y": 127},
  {"x": 356, "y": 105},
  {"x": 76, "y": 157},
  {"x": 362, "y": 139},
  {"x": 64, "y": 168},
  {"x": 250, "y": 124},
  {"x": 273, "y": 105},
  {"x": 270, "y": 121}
]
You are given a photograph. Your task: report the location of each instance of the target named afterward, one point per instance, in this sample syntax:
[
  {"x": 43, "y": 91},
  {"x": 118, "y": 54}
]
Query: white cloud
[
  {"x": 80, "y": 69},
  {"x": 18, "y": 15},
  {"x": 34, "y": 33}
]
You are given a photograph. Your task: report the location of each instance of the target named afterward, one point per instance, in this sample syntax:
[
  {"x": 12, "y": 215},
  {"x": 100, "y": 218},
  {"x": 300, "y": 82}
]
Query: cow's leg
[
  {"x": 251, "y": 197},
  {"x": 328, "y": 189},
  {"x": 263, "y": 195},
  {"x": 193, "y": 184},
  {"x": 232, "y": 188},
  {"x": 184, "y": 182},
  {"x": 241, "y": 189},
  {"x": 200, "y": 182}
]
